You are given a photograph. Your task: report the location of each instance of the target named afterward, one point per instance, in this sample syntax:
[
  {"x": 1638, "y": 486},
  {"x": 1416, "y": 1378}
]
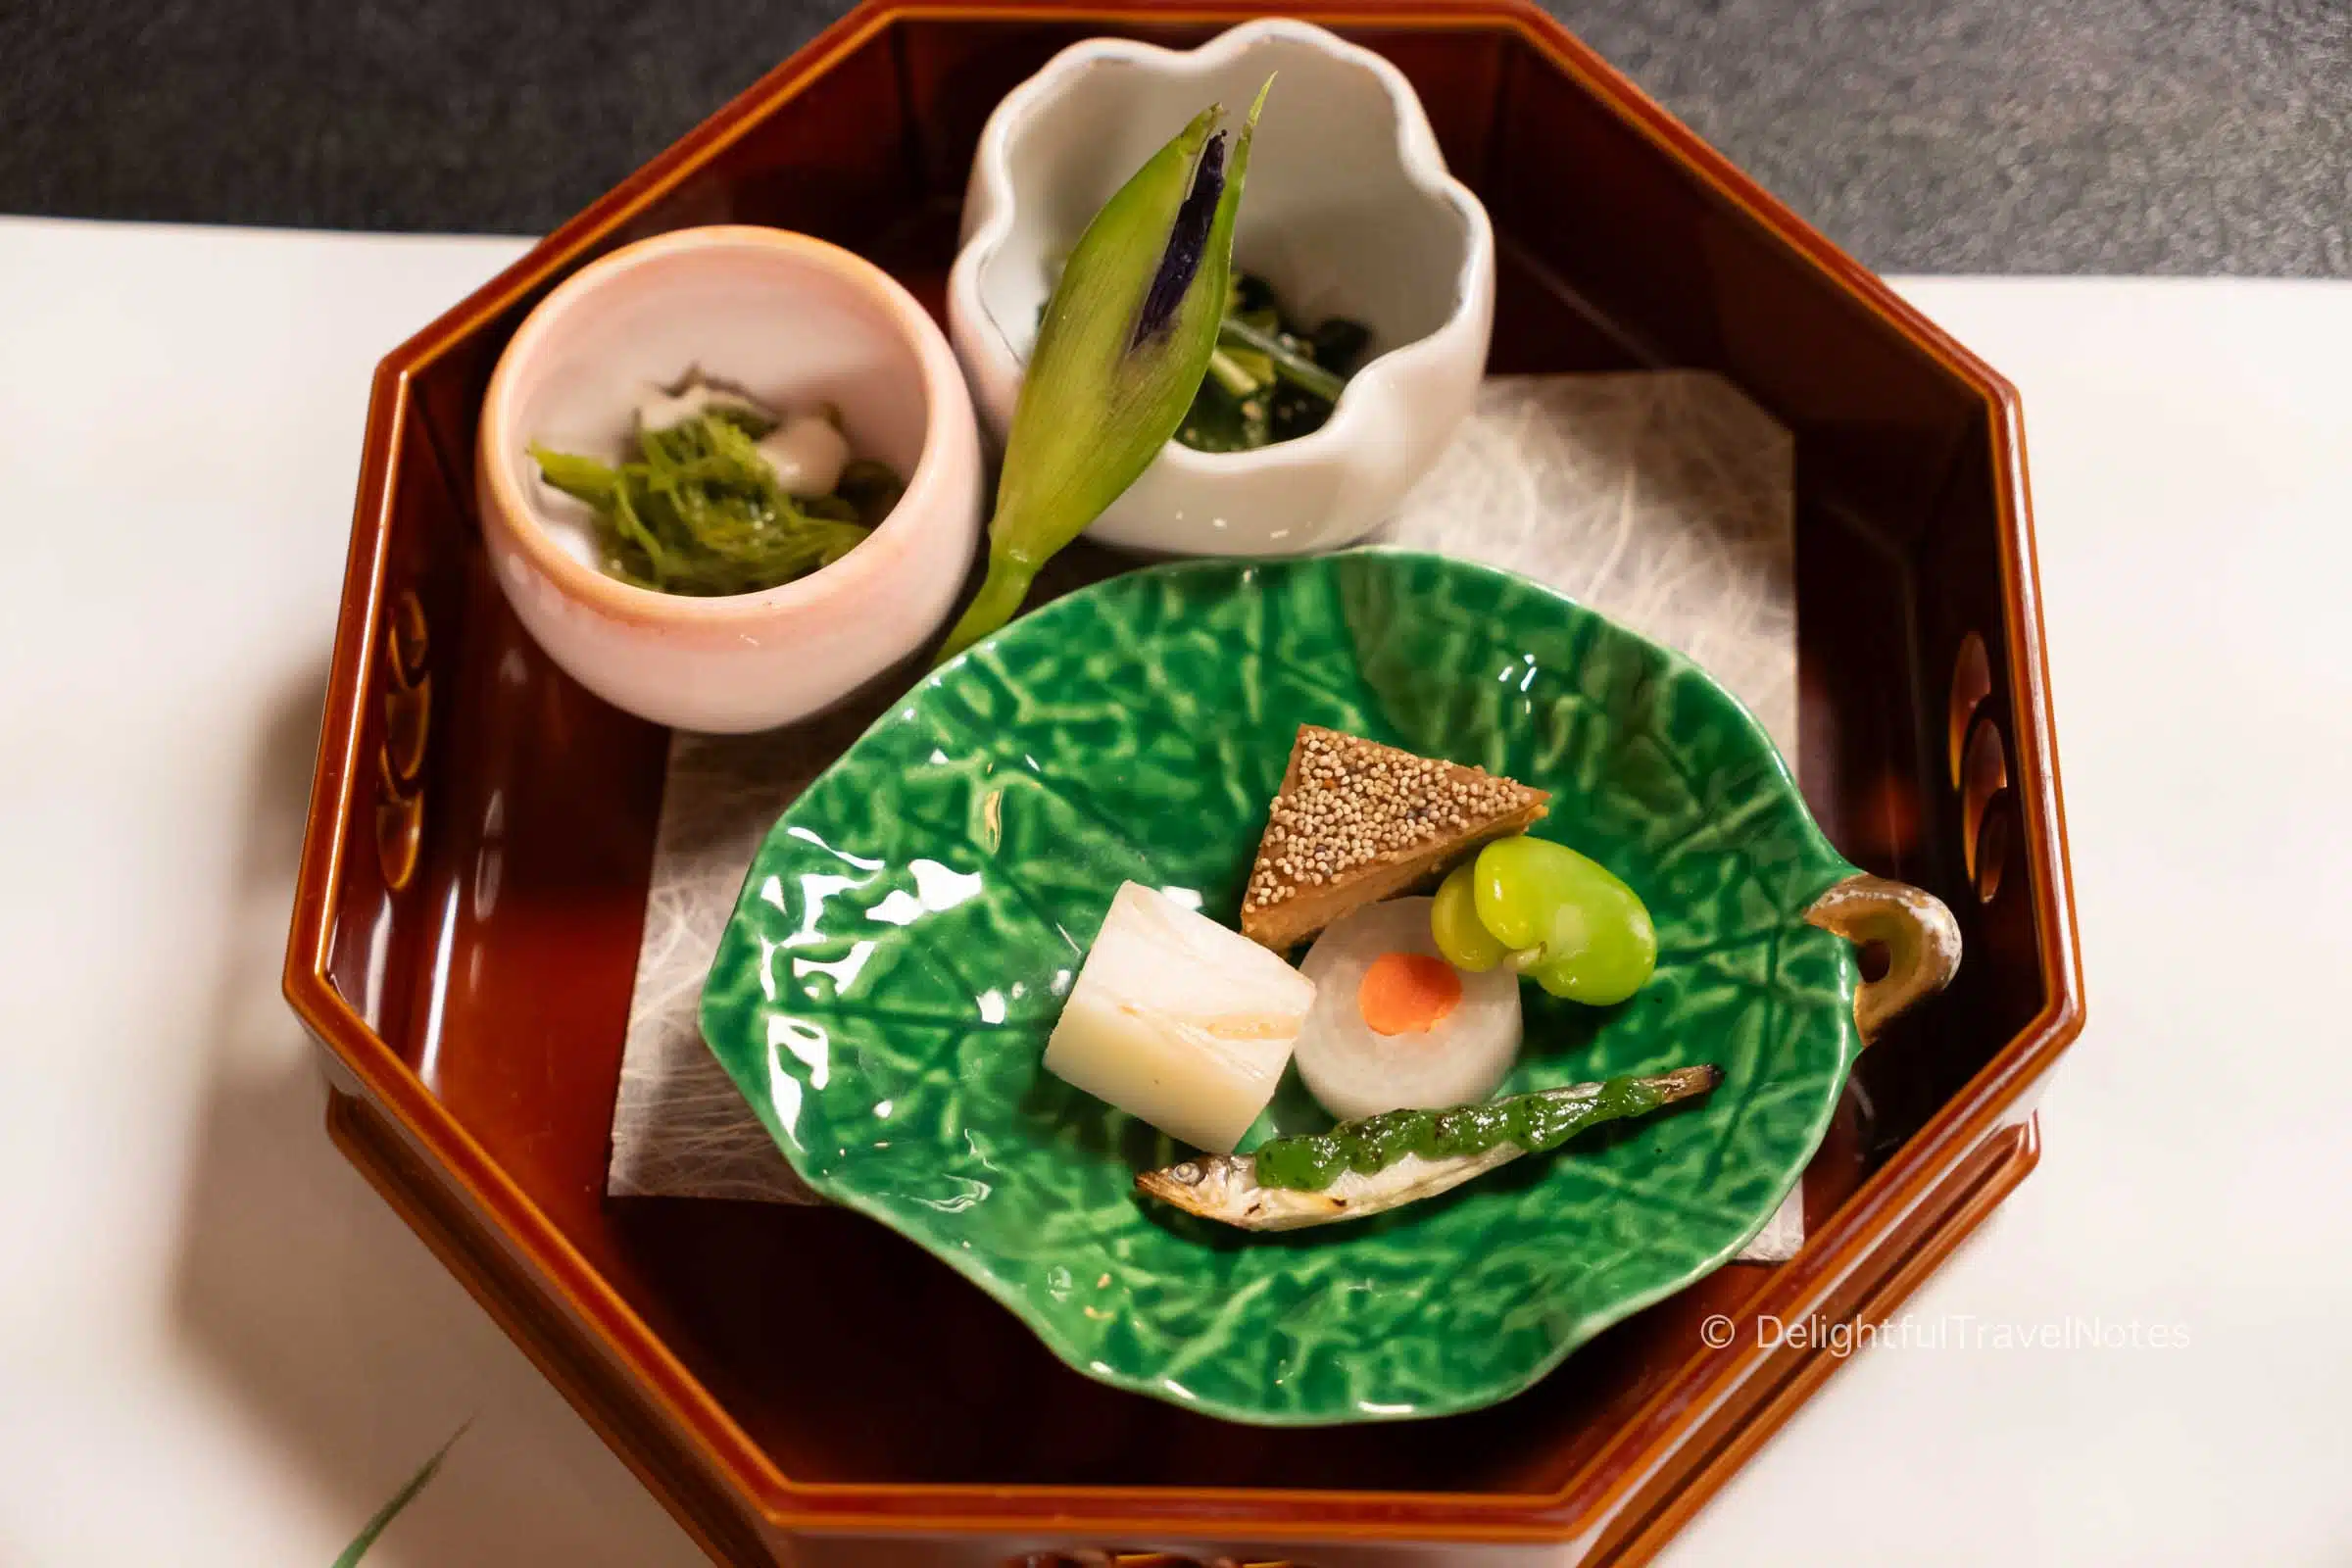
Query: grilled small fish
[{"x": 1386, "y": 1161}]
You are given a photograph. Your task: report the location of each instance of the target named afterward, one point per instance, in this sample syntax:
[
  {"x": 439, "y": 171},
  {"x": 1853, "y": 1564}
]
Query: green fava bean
[
  {"x": 1454, "y": 926},
  {"x": 1570, "y": 924}
]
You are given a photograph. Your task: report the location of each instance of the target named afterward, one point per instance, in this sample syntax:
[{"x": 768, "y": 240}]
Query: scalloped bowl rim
[{"x": 1418, "y": 158}]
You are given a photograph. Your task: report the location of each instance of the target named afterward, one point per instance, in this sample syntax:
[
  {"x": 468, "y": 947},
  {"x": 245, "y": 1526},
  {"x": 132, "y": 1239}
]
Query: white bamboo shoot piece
[{"x": 1179, "y": 1022}]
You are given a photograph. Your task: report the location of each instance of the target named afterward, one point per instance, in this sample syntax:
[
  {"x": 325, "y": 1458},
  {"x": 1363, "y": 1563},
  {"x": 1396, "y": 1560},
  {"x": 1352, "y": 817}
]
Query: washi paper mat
[{"x": 1665, "y": 500}]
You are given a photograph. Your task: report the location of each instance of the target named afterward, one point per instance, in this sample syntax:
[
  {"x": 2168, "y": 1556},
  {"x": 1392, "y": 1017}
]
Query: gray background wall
[{"x": 1981, "y": 135}]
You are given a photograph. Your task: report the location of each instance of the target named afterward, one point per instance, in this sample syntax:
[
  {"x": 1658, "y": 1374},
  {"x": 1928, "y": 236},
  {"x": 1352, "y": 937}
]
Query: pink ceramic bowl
[{"x": 794, "y": 322}]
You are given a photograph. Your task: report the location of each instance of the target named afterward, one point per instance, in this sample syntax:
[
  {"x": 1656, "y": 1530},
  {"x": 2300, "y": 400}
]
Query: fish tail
[{"x": 1685, "y": 1082}]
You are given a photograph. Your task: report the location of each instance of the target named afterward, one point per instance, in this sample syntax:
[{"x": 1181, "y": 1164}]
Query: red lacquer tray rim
[{"x": 1691, "y": 1396}]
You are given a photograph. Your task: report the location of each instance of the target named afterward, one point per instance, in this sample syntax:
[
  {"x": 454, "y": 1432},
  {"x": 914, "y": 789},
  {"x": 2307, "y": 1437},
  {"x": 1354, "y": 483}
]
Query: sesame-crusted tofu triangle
[{"x": 1356, "y": 821}]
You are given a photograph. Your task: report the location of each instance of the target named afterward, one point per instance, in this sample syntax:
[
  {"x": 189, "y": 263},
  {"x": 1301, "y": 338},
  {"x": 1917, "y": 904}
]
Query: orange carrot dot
[{"x": 1407, "y": 993}]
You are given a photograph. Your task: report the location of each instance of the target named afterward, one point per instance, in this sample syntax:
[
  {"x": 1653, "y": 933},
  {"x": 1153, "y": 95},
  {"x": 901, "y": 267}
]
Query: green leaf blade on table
[
  {"x": 376, "y": 1527},
  {"x": 1126, "y": 338},
  {"x": 1136, "y": 730}
]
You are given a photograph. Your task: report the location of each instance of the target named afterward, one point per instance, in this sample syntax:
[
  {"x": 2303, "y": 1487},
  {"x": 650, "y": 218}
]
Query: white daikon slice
[{"x": 1353, "y": 1071}]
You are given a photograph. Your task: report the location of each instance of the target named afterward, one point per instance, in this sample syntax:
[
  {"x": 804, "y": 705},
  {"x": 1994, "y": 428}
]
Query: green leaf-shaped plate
[{"x": 909, "y": 929}]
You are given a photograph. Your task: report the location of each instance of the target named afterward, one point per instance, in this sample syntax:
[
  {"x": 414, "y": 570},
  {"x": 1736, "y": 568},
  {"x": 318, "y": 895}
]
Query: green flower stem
[{"x": 998, "y": 602}]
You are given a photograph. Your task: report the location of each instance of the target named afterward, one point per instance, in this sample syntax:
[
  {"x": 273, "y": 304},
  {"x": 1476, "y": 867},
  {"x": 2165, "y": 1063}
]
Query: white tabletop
[{"x": 218, "y": 1346}]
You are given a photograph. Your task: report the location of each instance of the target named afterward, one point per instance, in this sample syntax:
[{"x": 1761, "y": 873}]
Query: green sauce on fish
[{"x": 1536, "y": 1122}]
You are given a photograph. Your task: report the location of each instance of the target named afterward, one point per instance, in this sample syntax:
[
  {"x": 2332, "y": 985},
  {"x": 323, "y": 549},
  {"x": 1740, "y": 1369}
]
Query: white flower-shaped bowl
[{"x": 1347, "y": 211}]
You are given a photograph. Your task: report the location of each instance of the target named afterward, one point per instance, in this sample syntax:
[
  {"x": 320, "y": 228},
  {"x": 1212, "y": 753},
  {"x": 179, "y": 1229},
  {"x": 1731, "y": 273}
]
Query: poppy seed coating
[{"x": 1351, "y": 803}]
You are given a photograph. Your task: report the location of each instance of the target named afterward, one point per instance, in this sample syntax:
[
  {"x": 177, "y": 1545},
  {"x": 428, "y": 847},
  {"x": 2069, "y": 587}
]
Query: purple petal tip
[{"x": 1188, "y": 242}]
